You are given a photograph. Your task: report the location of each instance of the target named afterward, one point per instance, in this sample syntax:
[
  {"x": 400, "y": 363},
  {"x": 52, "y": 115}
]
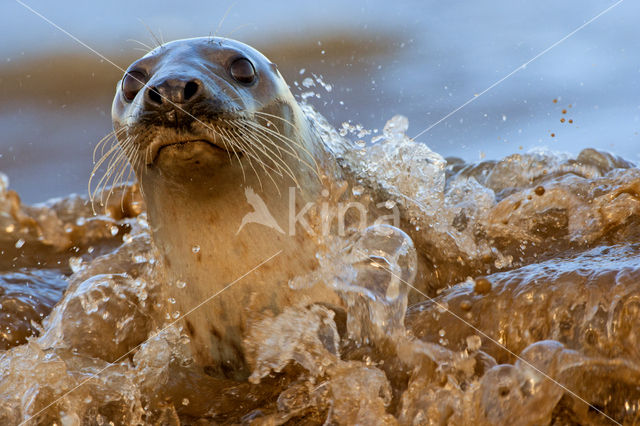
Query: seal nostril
[
  {"x": 155, "y": 96},
  {"x": 190, "y": 89}
]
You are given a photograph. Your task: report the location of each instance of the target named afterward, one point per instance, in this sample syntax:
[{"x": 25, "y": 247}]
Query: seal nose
[{"x": 172, "y": 91}]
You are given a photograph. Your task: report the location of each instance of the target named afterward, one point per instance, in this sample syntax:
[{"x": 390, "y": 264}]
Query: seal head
[{"x": 188, "y": 103}]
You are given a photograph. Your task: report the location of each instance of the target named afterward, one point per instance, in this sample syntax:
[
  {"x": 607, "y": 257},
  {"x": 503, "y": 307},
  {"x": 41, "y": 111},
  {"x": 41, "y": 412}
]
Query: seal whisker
[
  {"x": 117, "y": 181},
  {"x": 263, "y": 164},
  {"x": 244, "y": 177},
  {"x": 102, "y": 142},
  {"x": 271, "y": 170},
  {"x": 284, "y": 138},
  {"x": 131, "y": 168},
  {"x": 131, "y": 154},
  {"x": 245, "y": 130},
  {"x": 235, "y": 144},
  {"x": 225, "y": 139},
  {"x": 248, "y": 149},
  {"x": 226, "y": 13},
  {"x": 153, "y": 35},
  {"x": 102, "y": 184},
  {"x": 239, "y": 27},
  {"x": 257, "y": 128},
  {"x": 116, "y": 171},
  {"x": 279, "y": 136},
  {"x": 282, "y": 167},
  {"x": 278, "y": 161},
  {"x": 266, "y": 114},
  {"x": 251, "y": 155},
  {"x": 140, "y": 43},
  {"x": 115, "y": 162},
  {"x": 147, "y": 153},
  {"x": 107, "y": 155},
  {"x": 115, "y": 149},
  {"x": 241, "y": 133}
]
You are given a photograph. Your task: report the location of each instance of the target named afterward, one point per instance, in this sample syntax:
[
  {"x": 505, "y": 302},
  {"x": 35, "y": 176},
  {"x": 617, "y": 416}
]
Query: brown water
[{"x": 527, "y": 314}]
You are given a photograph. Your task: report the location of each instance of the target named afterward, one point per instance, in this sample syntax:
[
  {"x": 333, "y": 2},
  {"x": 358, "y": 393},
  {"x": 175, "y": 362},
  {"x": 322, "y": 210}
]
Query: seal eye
[
  {"x": 132, "y": 82},
  {"x": 242, "y": 71}
]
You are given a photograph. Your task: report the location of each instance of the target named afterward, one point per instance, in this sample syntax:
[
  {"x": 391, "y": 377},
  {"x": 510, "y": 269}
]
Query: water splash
[{"x": 529, "y": 265}]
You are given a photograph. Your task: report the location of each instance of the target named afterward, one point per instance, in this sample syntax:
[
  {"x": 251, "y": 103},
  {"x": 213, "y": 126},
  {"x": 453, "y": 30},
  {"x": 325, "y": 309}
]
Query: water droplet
[
  {"x": 171, "y": 300},
  {"x": 185, "y": 401},
  {"x": 474, "y": 343},
  {"x": 482, "y": 286},
  {"x": 441, "y": 332},
  {"x": 181, "y": 284},
  {"x": 114, "y": 230},
  {"x": 306, "y": 95},
  {"x": 20, "y": 243},
  {"x": 127, "y": 238},
  {"x": 76, "y": 264},
  {"x": 4, "y": 182},
  {"x": 176, "y": 315},
  {"x": 195, "y": 249}
]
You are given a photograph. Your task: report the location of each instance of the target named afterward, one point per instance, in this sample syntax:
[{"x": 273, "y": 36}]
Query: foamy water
[{"x": 527, "y": 312}]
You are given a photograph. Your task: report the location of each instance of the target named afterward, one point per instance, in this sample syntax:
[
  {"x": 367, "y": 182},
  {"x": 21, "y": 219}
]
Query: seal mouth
[{"x": 157, "y": 146}]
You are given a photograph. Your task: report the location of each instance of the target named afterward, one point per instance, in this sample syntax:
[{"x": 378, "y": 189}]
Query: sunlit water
[{"x": 527, "y": 313}]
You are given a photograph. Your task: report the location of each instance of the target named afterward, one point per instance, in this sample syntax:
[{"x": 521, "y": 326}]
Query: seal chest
[{"x": 215, "y": 136}]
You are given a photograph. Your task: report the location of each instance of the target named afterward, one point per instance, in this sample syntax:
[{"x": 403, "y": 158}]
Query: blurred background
[{"x": 419, "y": 58}]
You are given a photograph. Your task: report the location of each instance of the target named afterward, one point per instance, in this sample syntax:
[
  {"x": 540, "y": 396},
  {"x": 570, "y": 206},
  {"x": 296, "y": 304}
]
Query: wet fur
[{"x": 195, "y": 197}]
